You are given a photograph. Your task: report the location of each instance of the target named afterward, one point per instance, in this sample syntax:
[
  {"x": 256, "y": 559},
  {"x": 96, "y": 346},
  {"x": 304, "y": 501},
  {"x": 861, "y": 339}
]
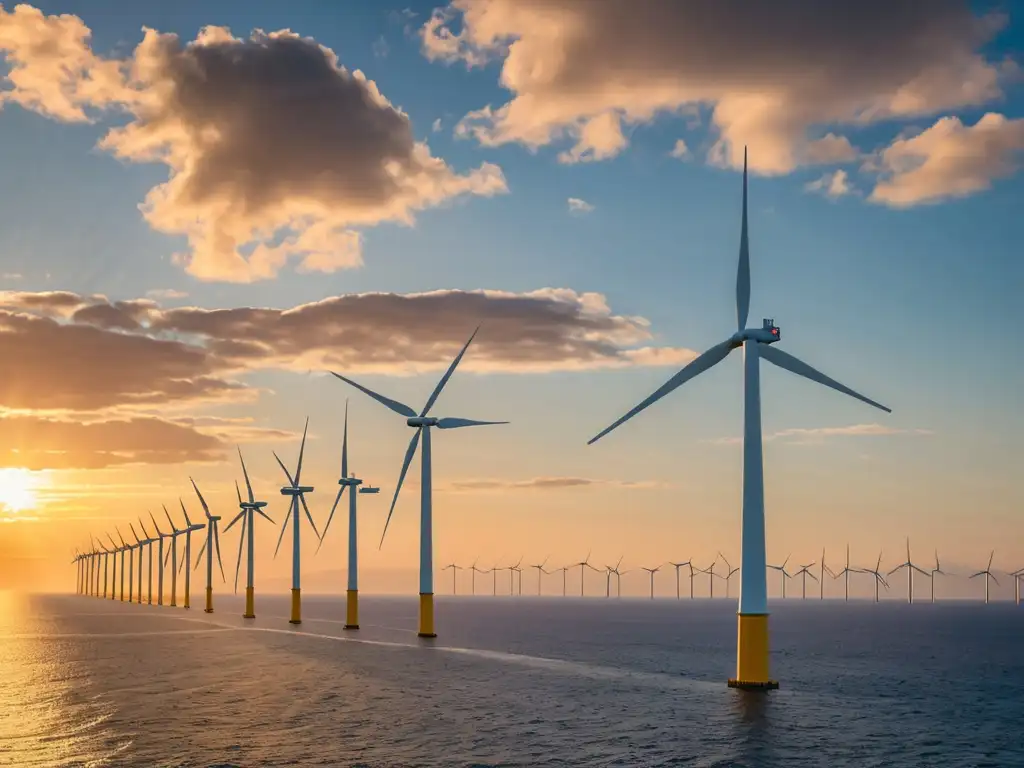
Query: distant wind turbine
[
  {"x": 651, "y": 571},
  {"x": 211, "y": 544},
  {"x": 124, "y": 549},
  {"x": 785, "y": 574},
  {"x": 186, "y": 563},
  {"x": 296, "y": 493},
  {"x": 583, "y": 565},
  {"x": 540, "y": 570},
  {"x": 987, "y": 573},
  {"x": 474, "y": 570},
  {"x": 846, "y": 572},
  {"x": 805, "y": 572},
  {"x": 131, "y": 566},
  {"x": 512, "y": 576},
  {"x": 879, "y": 578},
  {"x": 149, "y": 565},
  {"x": 610, "y": 571},
  {"x": 247, "y": 511},
  {"x": 910, "y": 573},
  {"x": 113, "y": 560},
  {"x": 824, "y": 569},
  {"x": 729, "y": 571},
  {"x": 565, "y": 570},
  {"x": 710, "y": 571},
  {"x": 1017, "y": 575},
  {"x": 422, "y": 424},
  {"x": 105, "y": 554},
  {"x": 454, "y": 568},
  {"x": 936, "y": 571},
  {"x": 752, "y": 655},
  {"x": 173, "y": 554},
  {"x": 159, "y": 559},
  {"x": 677, "y": 566}
]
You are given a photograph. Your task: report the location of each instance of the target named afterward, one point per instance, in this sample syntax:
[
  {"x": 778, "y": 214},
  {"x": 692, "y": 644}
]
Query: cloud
[
  {"x": 680, "y": 150},
  {"x": 777, "y": 76},
  {"x": 166, "y": 293},
  {"x": 11, "y": 276},
  {"x": 87, "y": 353},
  {"x": 545, "y": 484},
  {"x": 834, "y": 185},
  {"x": 275, "y": 152},
  {"x": 815, "y": 435},
  {"x": 576, "y": 205},
  {"x": 949, "y": 160},
  {"x": 436, "y": 125},
  {"x": 381, "y": 49}
]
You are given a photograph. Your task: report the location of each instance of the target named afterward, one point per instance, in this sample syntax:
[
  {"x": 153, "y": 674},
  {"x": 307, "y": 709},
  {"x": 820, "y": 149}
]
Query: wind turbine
[
  {"x": 824, "y": 569},
  {"x": 729, "y": 571},
  {"x": 583, "y": 565},
  {"x": 105, "y": 554},
  {"x": 512, "y": 575},
  {"x": 173, "y": 554},
  {"x": 212, "y": 543},
  {"x": 805, "y": 573},
  {"x": 131, "y": 565},
  {"x": 677, "y": 566},
  {"x": 845, "y": 572},
  {"x": 348, "y": 480},
  {"x": 910, "y": 573},
  {"x": 693, "y": 574},
  {"x": 187, "y": 561},
  {"x": 123, "y": 550},
  {"x": 752, "y": 653},
  {"x": 565, "y": 570},
  {"x": 1016, "y": 585},
  {"x": 296, "y": 493},
  {"x": 710, "y": 571},
  {"x": 160, "y": 559},
  {"x": 937, "y": 570},
  {"x": 494, "y": 579},
  {"x": 879, "y": 579},
  {"x": 618, "y": 579},
  {"x": 113, "y": 561},
  {"x": 987, "y": 573},
  {"x": 540, "y": 570},
  {"x": 651, "y": 571},
  {"x": 247, "y": 514},
  {"x": 475, "y": 571},
  {"x": 422, "y": 424},
  {"x": 519, "y": 573},
  {"x": 149, "y": 550},
  {"x": 454, "y": 568},
  {"x": 785, "y": 575}
]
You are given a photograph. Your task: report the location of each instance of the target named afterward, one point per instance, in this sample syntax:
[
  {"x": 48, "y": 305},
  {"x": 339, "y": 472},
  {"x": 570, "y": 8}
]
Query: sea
[{"x": 509, "y": 681}]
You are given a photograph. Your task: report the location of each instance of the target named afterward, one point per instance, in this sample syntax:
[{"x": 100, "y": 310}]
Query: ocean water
[{"x": 509, "y": 682}]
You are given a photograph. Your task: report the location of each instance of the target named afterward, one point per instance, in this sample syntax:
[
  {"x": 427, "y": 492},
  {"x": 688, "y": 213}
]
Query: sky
[{"x": 204, "y": 209}]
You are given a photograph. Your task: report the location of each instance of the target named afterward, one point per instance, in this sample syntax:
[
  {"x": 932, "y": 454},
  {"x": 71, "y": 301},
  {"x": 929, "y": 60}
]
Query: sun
[{"x": 17, "y": 489}]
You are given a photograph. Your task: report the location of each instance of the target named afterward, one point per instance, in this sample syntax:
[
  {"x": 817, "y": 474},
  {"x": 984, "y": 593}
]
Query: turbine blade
[
  {"x": 743, "y": 269},
  {"x": 302, "y": 450},
  {"x": 239, "y": 492},
  {"x": 697, "y": 366},
  {"x": 330, "y": 517},
  {"x": 309, "y": 516},
  {"x": 344, "y": 451},
  {"x": 447, "y": 374},
  {"x": 157, "y": 527},
  {"x": 173, "y": 526},
  {"x": 792, "y": 364},
  {"x": 409, "y": 453},
  {"x": 284, "y": 469},
  {"x": 202, "y": 501},
  {"x": 234, "y": 520},
  {"x": 245, "y": 472},
  {"x": 216, "y": 541},
  {"x": 238, "y": 565},
  {"x": 265, "y": 515},
  {"x": 400, "y": 408},
  {"x": 454, "y": 423},
  {"x": 167, "y": 556},
  {"x": 199, "y": 557},
  {"x": 284, "y": 525},
  {"x": 990, "y": 560}
]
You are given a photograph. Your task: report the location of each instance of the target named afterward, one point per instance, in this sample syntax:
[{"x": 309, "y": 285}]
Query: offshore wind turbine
[
  {"x": 212, "y": 543},
  {"x": 677, "y": 566},
  {"x": 1016, "y": 585},
  {"x": 936, "y": 571},
  {"x": 618, "y": 579},
  {"x": 845, "y": 572},
  {"x": 987, "y": 573},
  {"x": 131, "y": 566},
  {"x": 729, "y": 571},
  {"x": 296, "y": 492},
  {"x": 454, "y": 569},
  {"x": 475, "y": 571},
  {"x": 149, "y": 549},
  {"x": 105, "y": 555},
  {"x": 583, "y": 564},
  {"x": 540, "y": 570},
  {"x": 752, "y": 652},
  {"x": 710, "y": 571},
  {"x": 910, "y": 573},
  {"x": 186, "y": 563},
  {"x": 173, "y": 554},
  {"x": 824, "y": 569},
  {"x": 651, "y": 571},
  {"x": 247, "y": 511},
  {"x": 124, "y": 548},
  {"x": 355, "y": 484},
  {"x": 422, "y": 424},
  {"x": 113, "y": 561},
  {"x": 159, "y": 559},
  {"x": 519, "y": 573},
  {"x": 879, "y": 579},
  {"x": 494, "y": 579},
  {"x": 785, "y": 575},
  {"x": 805, "y": 572}
]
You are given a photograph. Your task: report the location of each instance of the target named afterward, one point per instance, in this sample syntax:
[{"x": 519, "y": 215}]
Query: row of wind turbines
[{"x": 804, "y": 572}]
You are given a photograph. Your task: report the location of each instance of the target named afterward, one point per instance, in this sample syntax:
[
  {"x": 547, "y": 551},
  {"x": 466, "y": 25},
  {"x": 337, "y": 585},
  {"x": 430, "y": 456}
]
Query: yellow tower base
[
  {"x": 186, "y": 606},
  {"x": 296, "y": 607},
  {"x": 427, "y": 615},
  {"x": 209, "y": 600},
  {"x": 160, "y": 598},
  {"x": 250, "y": 604},
  {"x": 752, "y": 654},
  {"x": 174, "y": 603},
  {"x": 352, "y": 610}
]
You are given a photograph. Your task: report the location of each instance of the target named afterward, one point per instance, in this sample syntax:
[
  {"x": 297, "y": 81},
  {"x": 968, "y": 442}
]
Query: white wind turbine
[
  {"x": 729, "y": 571},
  {"x": 474, "y": 570},
  {"x": 186, "y": 563},
  {"x": 131, "y": 565},
  {"x": 159, "y": 559},
  {"x": 584, "y": 564},
  {"x": 422, "y": 424},
  {"x": 149, "y": 564},
  {"x": 752, "y": 656},
  {"x": 1017, "y": 575},
  {"x": 609, "y": 571},
  {"x": 512, "y": 576},
  {"x": 211, "y": 544},
  {"x": 349, "y": 480},
  {"x": 936, "y": 571},
  {"x": 247, "y": 515},
  {"x": 824, "y": 569},
  {"x": 113, "y": 560},
  {"x": 124, "y": 549},
  {"x": 879, "y": 578},
  {"x": 105, "y": 554},
  {"x": 785, "y": 574},
  {"x": 987, "y": 573},
  {"x": 651, "y": 572},
  {"x": 296, "y": 492},
  {"x": 454, "y": 569},
  {"x": 805, "y": 572},
  {"x": 846, "y": 572},
  {"x": 677, "y": 566},
  {"x": 173, "y": 554},
  {"x": 540, "y": 570},
  {"x": 910, "y": 573}
]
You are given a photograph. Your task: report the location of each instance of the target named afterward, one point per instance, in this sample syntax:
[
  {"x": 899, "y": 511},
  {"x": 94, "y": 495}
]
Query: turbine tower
[
  {"x": 910, "y": 573},
  {"x": 752, "y": 652},
  {"x": 173, "y": 554},
  {"x": 677, "y": 566},
  {"x": 131, "y": 565},
  {"x": 113, "y": 561},
  {"x": 651, "y": 571},
  {"x": 987, "y": 573},
  {"x": 296, "y": 493},
  {"x": 348, "y": 480},
  {"x": 149, "y": 565},
  {"x": 583, "y": 564},
  {"x": 125, "y": 549},
  {"x": 159, "y": 559},
  {"x": 247, "y": 511},
  {"x": 805, "y": 572},
  {"x": 475, "y": 571},
  {"x": 1017, "y": 575},
  {"x": 422, "y": 424},
  {"x": 824, "y": 569},
  {"x": 729, "y": 571},
  {"x": 846, "y": 572},
  {"x": 190, "y": 527},
  {"x": 540, "y": 570},
  {"x": 936, "y": 571},
  {"x": 212, "y": 543},
  {"x": 710, "y": 571},
  {"x": 879, "y": 578},
  {"x": 454, "y": 569}
]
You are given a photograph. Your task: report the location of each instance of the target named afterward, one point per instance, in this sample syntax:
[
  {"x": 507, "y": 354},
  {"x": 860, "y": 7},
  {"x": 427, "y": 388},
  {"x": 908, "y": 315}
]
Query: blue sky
[{"x": 913, "y": 306}]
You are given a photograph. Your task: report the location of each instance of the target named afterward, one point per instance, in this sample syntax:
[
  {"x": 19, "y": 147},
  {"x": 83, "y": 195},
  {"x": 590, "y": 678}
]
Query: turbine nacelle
[
  {"x": 768, "y": 333},
  {"x": 253, "y": 505},
  {"x": 350, "y": 481},
  {"x": 296, "y": 490},
  {"x": 421, "y": 421},
  {"x": 369, "y": 489}
]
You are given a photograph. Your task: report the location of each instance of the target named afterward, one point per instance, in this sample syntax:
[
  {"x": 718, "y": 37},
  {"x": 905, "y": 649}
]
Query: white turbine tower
[
  {"x": 149, "y": 565},
  {"x": 936, "y": 571},
  {"x": 247, "y": 515},
  {"x": 349, "y": 480},
  {"x": 422, "y": 424},
  {"x": 124, "y": 549},
  {"x": 651, "y": 571},
  {"x": 785, "y": 574},
  {"x": 677, "y": 566},
  {"x": 752, "y": 652},
  {"x": 297, "y": 493},
  {"x": 190, "y": 527},
  {"x": 211, "y": 544},
  {"x": 805, "y": 572},
  {"x": 879, "y": 578},
  {"x": 1017, "y": 576},
  {"x": 910, "y": 573},
  {"x": 729, "y": 572},
  {"x": 846, "y": 573},
  {"x": 159, "y": 558},
  {"x": 987, "y": 573},
  {"x": 540, "y": 571}
]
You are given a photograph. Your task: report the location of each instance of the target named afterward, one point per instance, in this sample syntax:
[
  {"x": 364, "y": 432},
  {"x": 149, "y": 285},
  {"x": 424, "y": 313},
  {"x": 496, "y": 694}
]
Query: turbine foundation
[
  {"x": 352, "y": 610},
  {"x": 752, "y": 654},
  {"x": 250, "y": 604},
  {"x": 427, "y": 615},
  {"x": 296, "y": 607},
  {"x": 209, "y": 600}
]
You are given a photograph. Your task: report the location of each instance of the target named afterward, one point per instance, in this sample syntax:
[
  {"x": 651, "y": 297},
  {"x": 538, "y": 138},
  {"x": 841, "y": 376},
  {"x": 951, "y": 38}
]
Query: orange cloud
[{"x": 776, "y": 75}]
